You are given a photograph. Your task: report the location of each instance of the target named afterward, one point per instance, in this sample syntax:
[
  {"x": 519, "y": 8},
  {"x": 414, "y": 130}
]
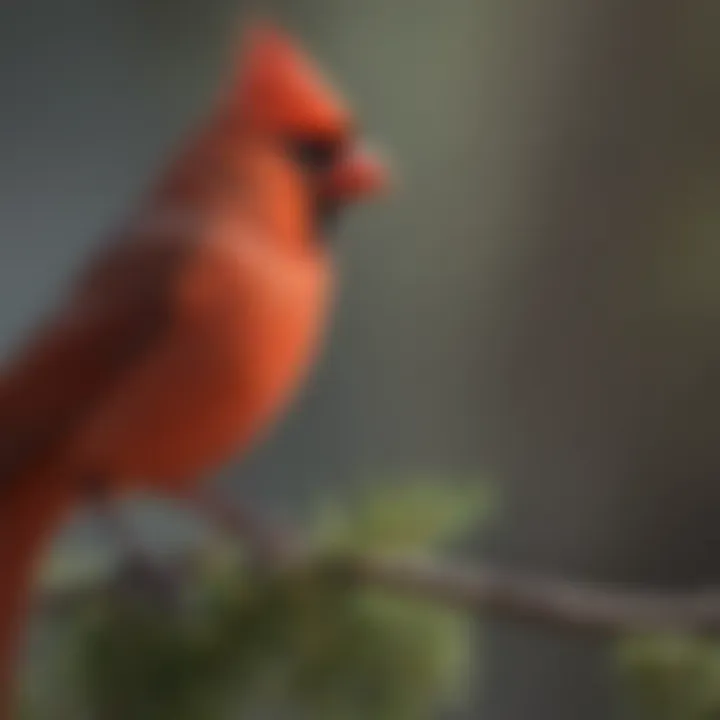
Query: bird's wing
[{"x": 118, "y": 309}]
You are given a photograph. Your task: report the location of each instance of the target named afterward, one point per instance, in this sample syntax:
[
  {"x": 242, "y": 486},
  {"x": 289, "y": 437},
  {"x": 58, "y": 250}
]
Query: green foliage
[
  {"x": 671, "y": 677},
  {"x": 401, "y": 515},
  {"x": 236, "y": 643}
]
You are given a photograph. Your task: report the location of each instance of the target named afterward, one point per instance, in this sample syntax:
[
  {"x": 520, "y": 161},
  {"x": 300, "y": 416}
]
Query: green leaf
[
  {"x": 399, "y": 514},
  {"x": 671, "y": 677}
]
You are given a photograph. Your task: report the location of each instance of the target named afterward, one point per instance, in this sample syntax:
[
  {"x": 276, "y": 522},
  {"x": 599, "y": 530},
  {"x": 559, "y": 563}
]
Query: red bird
[{"x": 188, "y": 334}]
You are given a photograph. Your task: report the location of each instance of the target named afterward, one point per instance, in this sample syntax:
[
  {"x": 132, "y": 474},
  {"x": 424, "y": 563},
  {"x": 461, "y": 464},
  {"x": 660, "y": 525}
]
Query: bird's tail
[{"x": 31, "y": 510}]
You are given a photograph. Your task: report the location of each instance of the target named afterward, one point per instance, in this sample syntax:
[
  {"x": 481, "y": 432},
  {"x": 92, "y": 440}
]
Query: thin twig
[
  {"x": 586, "y": 608},
  {"x": 474, "y": 588},
  {"x": 484, "y": 590},
  {"x": 481, "y": 589}
]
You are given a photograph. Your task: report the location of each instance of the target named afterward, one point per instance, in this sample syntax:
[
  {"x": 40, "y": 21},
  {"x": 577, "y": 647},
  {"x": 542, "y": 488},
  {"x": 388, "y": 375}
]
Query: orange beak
[{"x": 358, "y": 175}]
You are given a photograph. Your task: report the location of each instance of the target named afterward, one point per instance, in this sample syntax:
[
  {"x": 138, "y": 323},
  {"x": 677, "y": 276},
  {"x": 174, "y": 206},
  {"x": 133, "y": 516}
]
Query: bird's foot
[{"x": 141, "y": 576}]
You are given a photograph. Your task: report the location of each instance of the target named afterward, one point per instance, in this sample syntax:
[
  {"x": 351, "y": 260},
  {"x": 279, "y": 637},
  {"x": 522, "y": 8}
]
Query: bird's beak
[{"x": 359, "y": 174}]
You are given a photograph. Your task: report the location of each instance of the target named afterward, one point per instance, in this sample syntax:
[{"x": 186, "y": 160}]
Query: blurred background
[{"x": 538, "y": 305}]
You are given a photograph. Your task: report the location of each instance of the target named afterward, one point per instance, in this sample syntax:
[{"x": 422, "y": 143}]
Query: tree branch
[
  {"x": 585, "y": 608},
  {"x": 480, "y": 589}
]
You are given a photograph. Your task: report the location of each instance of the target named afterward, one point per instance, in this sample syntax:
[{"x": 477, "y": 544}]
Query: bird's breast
[{"x": 248, "y": 323}]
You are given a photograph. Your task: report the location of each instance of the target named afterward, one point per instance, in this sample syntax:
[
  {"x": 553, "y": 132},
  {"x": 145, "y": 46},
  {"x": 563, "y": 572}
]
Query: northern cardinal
[{"x": 187, "y": 335}]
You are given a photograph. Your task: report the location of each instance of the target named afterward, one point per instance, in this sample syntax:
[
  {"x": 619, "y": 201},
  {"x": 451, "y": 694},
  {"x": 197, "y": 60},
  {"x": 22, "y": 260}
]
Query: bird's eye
[{"x": 314, "y": 154}]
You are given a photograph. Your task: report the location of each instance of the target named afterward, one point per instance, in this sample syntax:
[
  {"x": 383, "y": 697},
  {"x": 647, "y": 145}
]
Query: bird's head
[{"x": 284, "y": 98}]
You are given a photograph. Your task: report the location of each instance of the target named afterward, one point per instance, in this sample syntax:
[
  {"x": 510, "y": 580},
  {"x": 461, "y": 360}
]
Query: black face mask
[{"x": 316, "y": 156}]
